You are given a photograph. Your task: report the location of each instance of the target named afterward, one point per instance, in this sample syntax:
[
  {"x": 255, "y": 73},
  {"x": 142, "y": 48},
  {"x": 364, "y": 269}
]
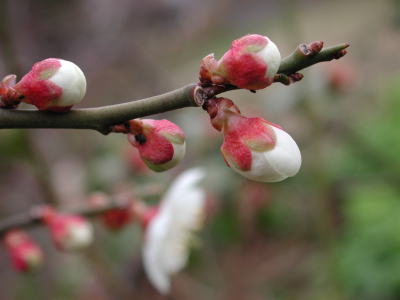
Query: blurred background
[{"x": 331, "y": 232}]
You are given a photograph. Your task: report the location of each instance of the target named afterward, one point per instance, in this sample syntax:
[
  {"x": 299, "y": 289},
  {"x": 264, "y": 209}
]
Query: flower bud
[
  {"x": 53, "y": 84},
  {"x": 25, "y": 254},
  {"x": 69, "y": 232},
  {"x": 161, "y": 143},
  {"x": 114, "y": 219},
  {"x": 253, "y": 147},
  {"x": 251, "y": 63}
]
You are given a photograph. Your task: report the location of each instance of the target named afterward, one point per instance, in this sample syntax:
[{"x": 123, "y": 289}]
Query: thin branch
[
  {"x": 103, "y": 118},
  {"x": 305, "y": 56}
]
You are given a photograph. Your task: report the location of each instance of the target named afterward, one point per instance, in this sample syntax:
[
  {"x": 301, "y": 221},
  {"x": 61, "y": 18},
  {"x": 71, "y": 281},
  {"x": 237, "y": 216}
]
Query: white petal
[
  {"x": 183, "y": 184},
  {"x": 153, "y": 253},
  {"x": 72, "y": 81},
  {"x": 277, "y": 164},
  {"x": 271, "y": 55},
  {"x": 79, "y": 236},
  {"x": 165, "y": 249},
  {"x": 179, "y": 153}
]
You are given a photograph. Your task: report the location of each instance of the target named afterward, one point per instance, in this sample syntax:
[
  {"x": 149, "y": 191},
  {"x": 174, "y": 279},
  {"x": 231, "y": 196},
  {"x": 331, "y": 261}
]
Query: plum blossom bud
[
  {"x": 255, "y": 148},
  {"x": 161, "y": 143},
  {"x": 25, "y": 254},
  {"x": 69, "y": 232},
  {"x": 114, "y": 219},
  {"x": 251, "y": 63},
  {"x": 169, "y": 228},
  {"x": 53, "y": 84}
]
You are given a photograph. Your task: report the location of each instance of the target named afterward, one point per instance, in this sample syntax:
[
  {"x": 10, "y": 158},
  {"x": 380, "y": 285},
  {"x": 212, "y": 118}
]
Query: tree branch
[
  {"x": 305, "y": 56},
  {"x": 33, "y": 217},
  {"x": 103, "y": 118}
]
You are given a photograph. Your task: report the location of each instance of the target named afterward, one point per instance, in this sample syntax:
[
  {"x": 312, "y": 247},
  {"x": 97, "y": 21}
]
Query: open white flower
[{"x": 167, "y": 236}]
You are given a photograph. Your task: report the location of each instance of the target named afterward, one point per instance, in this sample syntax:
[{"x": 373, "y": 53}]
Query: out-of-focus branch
[
  {"x": 103, "y": 118},
  {"x": 33, "y": 217}
]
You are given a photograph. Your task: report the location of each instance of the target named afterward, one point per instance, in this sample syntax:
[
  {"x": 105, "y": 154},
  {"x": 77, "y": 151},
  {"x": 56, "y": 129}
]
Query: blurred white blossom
[{"x": 169, "y": 232}]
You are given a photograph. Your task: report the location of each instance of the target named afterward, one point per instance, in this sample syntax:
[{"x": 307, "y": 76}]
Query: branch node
[
  {"x": 311, "y": 49},
  {"x": 288, "y": 79},
  {"x": 199, "y": 95}
]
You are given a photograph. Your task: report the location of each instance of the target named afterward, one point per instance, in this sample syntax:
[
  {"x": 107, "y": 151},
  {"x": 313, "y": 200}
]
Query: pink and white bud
[
  {"x": 69, "y": 232},
  {"x": 25, "y": 254},
  {"x": 161, "y": 143},
  {"x": 253, "y": 147},
  {"x": 251, "y": 63},
  {"x": 53, "y": 84}
]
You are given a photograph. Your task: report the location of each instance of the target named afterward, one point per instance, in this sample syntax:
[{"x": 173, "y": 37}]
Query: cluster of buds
[
  {"x": 53, "y": 84},
  {"x": 255, "y": 148},
  {"x": 69, "y": 232},
  {"x": 25, "y": 254},
  {"x": 251, "y": 63},
  {"x": 161, "y": 143}
]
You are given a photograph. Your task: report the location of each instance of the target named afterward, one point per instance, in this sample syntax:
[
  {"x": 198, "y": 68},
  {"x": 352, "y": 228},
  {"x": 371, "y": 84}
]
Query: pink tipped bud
[
  {"x": 25, "y": 254},
  {"x": 161, "y": 143},
  {"x": 251, "y": 63},
  {"x": 69, "y": 232},
  {"x": 53, "y": 84},
  {"x": 253, "y": 147}
]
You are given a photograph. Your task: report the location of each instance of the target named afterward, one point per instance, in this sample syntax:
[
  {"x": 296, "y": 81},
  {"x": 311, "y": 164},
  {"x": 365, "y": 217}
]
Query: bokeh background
[{"x": 331, "y": 232}]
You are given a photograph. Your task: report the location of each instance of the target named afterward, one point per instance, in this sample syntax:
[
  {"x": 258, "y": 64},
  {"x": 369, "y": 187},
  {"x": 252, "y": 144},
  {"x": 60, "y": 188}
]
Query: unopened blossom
[
  {"x": 251, "y": 63},
  {"x": 69, "y": 232},
  {"x": 169, "y": 229},
  {"x": 255, "y": 148},
  {"x": 25, "y": 254},
  {"x": 161, "y": 143},
  {"x": 116, "y": 218},
  {"x": 53, "y": 84}
]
